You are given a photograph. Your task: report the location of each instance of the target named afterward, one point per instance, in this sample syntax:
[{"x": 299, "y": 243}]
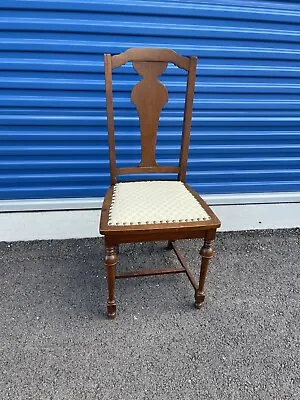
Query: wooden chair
[{"x": 142, "y": 211}]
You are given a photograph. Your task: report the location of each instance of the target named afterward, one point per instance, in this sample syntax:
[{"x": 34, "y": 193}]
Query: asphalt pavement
[{"x": 57, "y": 344}]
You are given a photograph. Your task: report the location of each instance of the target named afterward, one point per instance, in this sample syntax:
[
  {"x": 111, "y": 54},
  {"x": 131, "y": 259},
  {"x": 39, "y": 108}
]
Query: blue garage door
[{"x": 246, "y": 125}]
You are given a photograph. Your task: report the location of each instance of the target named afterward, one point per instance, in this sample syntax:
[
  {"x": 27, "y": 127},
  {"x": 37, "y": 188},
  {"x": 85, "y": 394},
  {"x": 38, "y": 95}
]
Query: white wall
[{"x": 62, "y": 224}]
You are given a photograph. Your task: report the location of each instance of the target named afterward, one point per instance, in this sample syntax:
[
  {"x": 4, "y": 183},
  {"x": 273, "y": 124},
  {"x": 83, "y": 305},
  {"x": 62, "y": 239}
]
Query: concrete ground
[{"x": 244, "y": 344}]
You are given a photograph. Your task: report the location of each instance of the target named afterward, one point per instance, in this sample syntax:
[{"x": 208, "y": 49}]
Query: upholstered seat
[{"x": 154, "y": 202}]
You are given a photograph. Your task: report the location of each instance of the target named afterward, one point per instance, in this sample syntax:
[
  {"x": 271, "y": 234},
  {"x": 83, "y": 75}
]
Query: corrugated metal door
[{"x": 246, "y": 131}]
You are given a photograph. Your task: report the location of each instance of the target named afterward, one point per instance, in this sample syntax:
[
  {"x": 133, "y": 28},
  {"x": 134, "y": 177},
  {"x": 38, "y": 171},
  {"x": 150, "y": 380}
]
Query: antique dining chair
[{"x": 153, "y": 210}]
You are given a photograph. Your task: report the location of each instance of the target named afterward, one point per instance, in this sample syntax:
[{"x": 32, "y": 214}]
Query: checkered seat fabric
[{"x": 154, "y": 202}]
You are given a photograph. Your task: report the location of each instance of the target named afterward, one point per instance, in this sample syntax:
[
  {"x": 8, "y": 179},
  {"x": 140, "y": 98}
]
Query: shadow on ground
[{"x": 244, "y": 344}]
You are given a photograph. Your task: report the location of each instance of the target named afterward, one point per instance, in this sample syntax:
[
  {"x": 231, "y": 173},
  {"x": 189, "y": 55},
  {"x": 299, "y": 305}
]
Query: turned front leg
[
  {"x": 206, "y": 253},
  {"x": 111, "y": 260}
]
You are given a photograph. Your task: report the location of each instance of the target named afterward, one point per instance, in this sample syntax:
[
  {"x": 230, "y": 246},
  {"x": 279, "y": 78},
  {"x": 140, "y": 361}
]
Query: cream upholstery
[{"x": 154, "y": 202}]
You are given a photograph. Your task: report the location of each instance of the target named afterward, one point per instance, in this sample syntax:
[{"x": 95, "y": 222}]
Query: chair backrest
[{"x": 149, "y": 96}]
